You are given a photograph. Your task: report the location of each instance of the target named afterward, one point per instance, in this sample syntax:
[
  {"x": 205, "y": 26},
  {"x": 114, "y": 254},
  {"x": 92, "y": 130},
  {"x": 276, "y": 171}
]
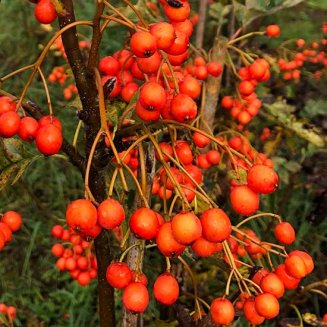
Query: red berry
[
  {"x": 166, "y": 242},
  {"x": 262, "y": 179},
  {"x": 164, "y": 34},
  {"x": 183, "y": 108},
  {"x": 57, "y": 250},
  {"x": 135, "y": 297},
  {"x": 45, "y": 12},
  {"x": 7, "y": 104},
  {"x": 272, "y": 284},
  {"x": 288, "y": 281},
  {"x": 222, "y": 311},
  {"x": 186, "y": 227},
  {"x": 9, "y": 124},
  {"x": 273, "y": 30},
  {"x": 144, "y": 223},
  {"x": 166, "y": 289},
  {"x": 284, "y": 233},
  {"x": 251, "y": 313},
  {"x": 110, "y": 214},
  {"x": 118, "y": 275},
  {"x": 266, "y": 305},
  {"x": 216, "y": 225},
  {"x": 48, "y": 139},
  {"x": 143, "y": 44},
  {"x": 214, "y": 69},
  {"x": 28, "y": 129},
  {"x": 84, "y": 278},
  {"x": 244, "y": 201},
  {"x": 13, "y": 220},
  {"x": 109, "y": 66},
  {"x": 81, "y": 215}
]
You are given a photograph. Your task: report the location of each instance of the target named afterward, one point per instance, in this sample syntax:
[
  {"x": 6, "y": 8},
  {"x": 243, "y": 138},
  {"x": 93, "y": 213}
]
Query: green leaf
[
  {"x": 254, "y": 9},
  {"x": 281, "y": 112},
  {"x": 12, "y": 148},
  {"x": 13, "y": 172},
  {"x": 314, "y": 108}
]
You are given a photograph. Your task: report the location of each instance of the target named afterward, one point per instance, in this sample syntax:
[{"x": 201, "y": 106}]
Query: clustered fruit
[
  {"x": 76, "y": 257},
  {"x": 313, "y": 56},
  {"x": 247, "y": 105},
  {"x": 46, "y": 132},
  {"x": 8, "y": 311},
  {"x": 11, "y": 221}
]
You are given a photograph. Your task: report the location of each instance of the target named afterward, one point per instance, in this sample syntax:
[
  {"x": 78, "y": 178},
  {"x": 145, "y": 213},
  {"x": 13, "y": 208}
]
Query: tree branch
[
  {"x": 86, "y": 85},
  {"x": 201, "y": 23},
  {"x": 96, "y": 37}
]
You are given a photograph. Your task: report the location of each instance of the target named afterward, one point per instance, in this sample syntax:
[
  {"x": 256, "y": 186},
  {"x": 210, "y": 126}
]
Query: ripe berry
[
  {"x": 213, "y": 157},
  {"x": 143, "y": 44},
  {"x": 183, "y": 108},
  {"x": 272, "y": 284},
  {"x": 144, "y": 223},
  {"x": 110, "y": 214},
  {"x": 246, "y": 88},
  {"x": 81, "y": 215},
  {"x": 45, "y": 12},
  {"x": 146, "y": 115},
  {"x": 214, "y": 69},
  {"x": 244, "y": 201},
  {"x": 57, "y": 231},
  {"x": 184, "y": 26},
  {"x": 152, "y": 96},
  {"x": 127, "y": 92},
  {"x": 166, "y": 289},
  {"x": 289, "y": 282},
  {"x": 13, "y": 220},
  {"x": 251, "y": 313},
  {"x": 184, "y": 152},
  {"x": 11, "y": 312},
  {"x": 222, "y": 311},
  {"x": 9, "y": 124},
  {"x": 190, "y": 86},
  {"x": 177, "y": 14},
  {"x": 47, "y": 120},
  {"x": 180, "y": 45},
  {"x": 109, "y": 66},
  {"x": 48, "y": 139},
  {"x": 273, "y": 30},
  {"x": 84, "y": 278},
  {"x": 57, "y": 250},
  {"x": 216, "y": 225},
  {"x": 28, "y": 129},
  {"x": 118, "y": 274},
  {"x": 7, "y": 104},
  {"x": 266, "y": 305},
  {"x": 166, "y": 242},
  {"x": 139, "y": 277},
  {"x": 149, "y": 65},
  {"x": 203, "y": 248},
  {"x": 164, "y": 34},
  {"x": 165, "y": 148},
  {"x": 262, "y": 179},
  {"x": 135, "y": 297},
  {"x": 200, "y": 140},
  {"x": 284, "y": 233},
  {"x": 186, "y": 227},
  {"x": 227, "y": 102},
  {"x": 309, "y": 264},
  {"x": 257, "y": 277}
]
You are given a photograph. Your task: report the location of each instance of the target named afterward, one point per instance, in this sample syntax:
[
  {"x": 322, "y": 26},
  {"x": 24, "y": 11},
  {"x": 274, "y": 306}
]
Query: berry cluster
[
  {"x": 247, "y": 105},
  {"x": 46, "y": 132},
  {"x": 9, "y": 312},
  {"x": 313, "y": 54},
  {"x": 77, "y": 258},
  {"x": 11, "y": 221}
]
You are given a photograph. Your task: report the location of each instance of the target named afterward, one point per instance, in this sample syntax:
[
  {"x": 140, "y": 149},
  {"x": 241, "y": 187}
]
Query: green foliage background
[{"x": 28, "y": 278}]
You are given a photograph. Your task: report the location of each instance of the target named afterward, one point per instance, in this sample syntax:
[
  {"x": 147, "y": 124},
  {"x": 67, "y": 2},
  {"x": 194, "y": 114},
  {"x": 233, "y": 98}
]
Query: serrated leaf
[{"x": 13, "y": 172}]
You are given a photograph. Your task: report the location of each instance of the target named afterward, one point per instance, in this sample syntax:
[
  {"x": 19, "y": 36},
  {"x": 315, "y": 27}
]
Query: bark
[
  {"x": 213, "y": 84},
  {"x": 90, "y": 115},
  {"x": 129, "y": 319},
  {"x": 201, "y": 23}
]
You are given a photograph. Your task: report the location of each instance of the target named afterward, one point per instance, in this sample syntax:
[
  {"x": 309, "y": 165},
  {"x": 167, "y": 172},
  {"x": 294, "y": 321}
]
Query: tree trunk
[{"x": 86, "y": 85}]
